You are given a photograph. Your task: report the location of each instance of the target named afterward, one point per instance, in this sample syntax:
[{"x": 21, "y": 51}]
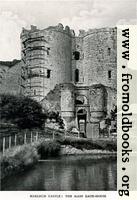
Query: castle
[{"x": 83, "y": 68}]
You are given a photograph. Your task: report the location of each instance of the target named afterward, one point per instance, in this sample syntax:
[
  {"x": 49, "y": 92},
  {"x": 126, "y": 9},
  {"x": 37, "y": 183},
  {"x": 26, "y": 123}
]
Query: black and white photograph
[{"x": 58, "y": 93}]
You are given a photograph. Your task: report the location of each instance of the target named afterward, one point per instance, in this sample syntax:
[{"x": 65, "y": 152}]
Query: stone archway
[{"x": 82, "y": 121}]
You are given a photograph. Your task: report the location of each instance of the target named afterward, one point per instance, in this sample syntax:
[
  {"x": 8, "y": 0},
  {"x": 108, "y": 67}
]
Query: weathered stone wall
[
  {"x": 53, "y": 50},
  {"x": 67, "y": 100},
  {"x": 3, "y": 71},
  {"x": 77, "y": 46},
  {"x": 97, "y": 102},
  {"x": 99, "y": 57},
  {"x": 11, "y": 80},
  {"x": 111, "y": 99},
  {"x": 68, "y": 104},
  {"x": 52, "y": 102}
]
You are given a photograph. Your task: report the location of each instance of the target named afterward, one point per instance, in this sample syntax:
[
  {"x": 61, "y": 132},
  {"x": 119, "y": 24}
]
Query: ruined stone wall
[
  {"x": 3, "y": 71},
  {"x": 55, "y": 55},
  {"x": 98, "y": 102},
  {"x": 84, "y": 65},
  {"x": 111, "y": 99},
  {"x": 47, "y": 56},
  {"x": 11, "y": 80},
  {"x": 53, "y": 100},
  {"x": 67, "y": 100},
  {"x": 68, "y": 104}
]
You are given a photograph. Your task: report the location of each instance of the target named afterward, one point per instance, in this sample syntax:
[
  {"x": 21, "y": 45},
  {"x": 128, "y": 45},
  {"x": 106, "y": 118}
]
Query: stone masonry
[{"x": 83, "y": 68}]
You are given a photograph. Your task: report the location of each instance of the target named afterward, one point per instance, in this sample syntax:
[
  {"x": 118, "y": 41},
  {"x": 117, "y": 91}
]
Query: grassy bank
[{"x": 20, "y": 158}]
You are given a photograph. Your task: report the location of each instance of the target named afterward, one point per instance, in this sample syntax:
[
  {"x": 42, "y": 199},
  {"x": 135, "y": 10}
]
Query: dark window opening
[
  {"x": 48, "y": 50},
  {"x": 76, "y": 55},
  {"x": 34, "y": 92},
  {"x": 48, "y": 73},
  {"x": 36, "y": 48},
  {"x": 109, "y": 51},
  {"x": 78, "y": 102},
  {"x": 77, "y": 75},
  {"x": 109, "y": 74}
]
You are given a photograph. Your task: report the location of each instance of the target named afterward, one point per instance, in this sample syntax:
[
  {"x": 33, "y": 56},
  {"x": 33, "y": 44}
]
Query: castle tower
[
  {"x": 94, "y": 57},
  {"x": 100, "y": 57},
  {"x": 47, "y": 58}
]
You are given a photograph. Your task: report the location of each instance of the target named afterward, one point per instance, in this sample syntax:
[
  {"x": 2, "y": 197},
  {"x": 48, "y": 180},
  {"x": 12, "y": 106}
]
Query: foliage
[
  {"x": 18, "y": 159},
  {"x": 55, "y": 115},
  {"x": 25, "y": 112},
  {"x": 48, "y": 148},
  {"x": 113, "y": 116},
  {"x": 22, "y": 111},
  {"x": 89, "y": 144},
  {"x": 114, "y": 113}
]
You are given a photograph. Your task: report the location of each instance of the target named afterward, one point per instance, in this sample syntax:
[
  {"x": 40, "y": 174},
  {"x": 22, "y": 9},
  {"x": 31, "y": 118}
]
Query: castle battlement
[
  {"x": 35, "y": 31},
  {"x": 83, "y": 33},
  {"x": 65, "y": 30}
]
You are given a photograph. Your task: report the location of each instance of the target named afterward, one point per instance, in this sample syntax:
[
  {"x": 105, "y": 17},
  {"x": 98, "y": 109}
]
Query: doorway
[{"x": 82, "y": 118}]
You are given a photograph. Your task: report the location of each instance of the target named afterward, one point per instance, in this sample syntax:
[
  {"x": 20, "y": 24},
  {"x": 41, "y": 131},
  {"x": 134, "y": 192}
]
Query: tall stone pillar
[
  {"x": 68, "y": 105},
  {"x": 98, "y": 108}
]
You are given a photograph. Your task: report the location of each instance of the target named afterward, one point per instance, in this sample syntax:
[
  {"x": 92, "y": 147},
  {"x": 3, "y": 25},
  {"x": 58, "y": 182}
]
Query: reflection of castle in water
[{"x": 83, "y": 69}]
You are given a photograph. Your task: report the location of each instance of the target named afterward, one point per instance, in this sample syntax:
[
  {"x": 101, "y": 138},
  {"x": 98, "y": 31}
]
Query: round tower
[
  {"x": 47, "y": 58},
  {"x": 100, "y": 57}
]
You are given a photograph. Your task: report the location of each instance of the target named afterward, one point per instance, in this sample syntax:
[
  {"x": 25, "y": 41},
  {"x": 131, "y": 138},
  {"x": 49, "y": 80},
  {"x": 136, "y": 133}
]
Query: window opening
[
  {"x": 76, "y": 75},
  {"x": 76, "y": 55}
]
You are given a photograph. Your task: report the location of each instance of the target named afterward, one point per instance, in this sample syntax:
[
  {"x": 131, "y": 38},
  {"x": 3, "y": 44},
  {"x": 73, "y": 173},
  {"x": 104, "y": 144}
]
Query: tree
[
  {"x": 114, "y": 113},
  {"x": 55, "y": 115},
  {"x": 22, "y": 111}
]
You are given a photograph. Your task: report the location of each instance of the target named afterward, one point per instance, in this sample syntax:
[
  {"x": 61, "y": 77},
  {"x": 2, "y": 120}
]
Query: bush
[
  {"x": 48, "y": 148},
  {"x": 25, "y": 112},
  {"x": 89, "y": 144},
  {"x": 55, "y": 115},
  {"x": 22, "y": 111}
]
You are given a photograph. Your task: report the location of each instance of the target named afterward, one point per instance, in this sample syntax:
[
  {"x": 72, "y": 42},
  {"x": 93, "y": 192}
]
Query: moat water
[{"x": 67, "y": 173}]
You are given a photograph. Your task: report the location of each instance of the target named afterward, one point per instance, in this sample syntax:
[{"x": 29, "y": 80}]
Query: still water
[{"x": 67, "y": 173}]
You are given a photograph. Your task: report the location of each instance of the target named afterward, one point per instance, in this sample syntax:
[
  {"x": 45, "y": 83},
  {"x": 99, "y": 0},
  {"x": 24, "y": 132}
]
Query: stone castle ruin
[{"x": 77, "y": 73}]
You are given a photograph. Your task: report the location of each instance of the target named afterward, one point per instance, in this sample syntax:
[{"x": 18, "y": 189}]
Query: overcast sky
[{"x": 78, "y": 14}]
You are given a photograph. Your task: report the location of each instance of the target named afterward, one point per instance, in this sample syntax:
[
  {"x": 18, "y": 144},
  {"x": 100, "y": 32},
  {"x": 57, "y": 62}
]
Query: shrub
[
  {"x": 48, "y": 148},
  {"x": 22, "y": 111},
  {"x": 89, "y": 144}
]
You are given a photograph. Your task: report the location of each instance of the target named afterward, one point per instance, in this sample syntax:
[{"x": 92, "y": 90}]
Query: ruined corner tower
[{"x": 47, "y": 59}]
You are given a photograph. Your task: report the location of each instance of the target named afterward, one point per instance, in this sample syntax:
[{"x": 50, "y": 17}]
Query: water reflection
[{"x": 67, "y": 173}]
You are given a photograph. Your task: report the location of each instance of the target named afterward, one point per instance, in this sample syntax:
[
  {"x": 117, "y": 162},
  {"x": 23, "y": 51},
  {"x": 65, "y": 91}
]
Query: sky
[{"x": 78, "y": 14}]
